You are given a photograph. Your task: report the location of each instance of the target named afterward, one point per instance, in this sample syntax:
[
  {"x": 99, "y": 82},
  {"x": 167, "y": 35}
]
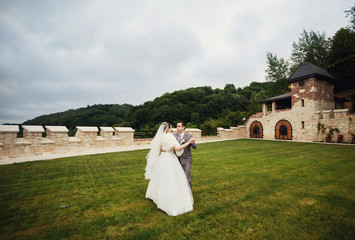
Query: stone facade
[{"x": 312, "y": 104}]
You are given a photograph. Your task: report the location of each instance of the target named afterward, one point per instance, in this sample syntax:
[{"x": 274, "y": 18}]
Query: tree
[
  {"x": 235, "y": 118},
  {"x": 195, "y": 118},
  {"x": 351, "y": 13},
  {"x": 311, "y": 47},
  {"x": 254, "y": 105},
  {"x": 230, "y": 89},
  {"x": 342, "y": 45},
  {"x": 276, "y": 68},
  {"x": 342, "y": 59},
  {"x": 277, "y": 72},
  {"x": 209, "y": 127},
  {"x": 162, "y": 114}
]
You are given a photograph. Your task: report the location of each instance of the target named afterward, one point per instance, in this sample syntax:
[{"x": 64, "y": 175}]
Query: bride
[{"x": 168, "y": 187}]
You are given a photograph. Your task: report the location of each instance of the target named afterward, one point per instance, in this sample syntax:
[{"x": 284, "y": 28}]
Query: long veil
[{"x": 153, "y": 155}]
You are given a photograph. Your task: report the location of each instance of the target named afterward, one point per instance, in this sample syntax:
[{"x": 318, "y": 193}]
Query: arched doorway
[
  {"x": 283, "y": 130},
  {"x": 256, "y": 130}
]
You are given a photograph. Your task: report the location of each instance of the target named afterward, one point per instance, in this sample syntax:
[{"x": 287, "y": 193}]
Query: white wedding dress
[{"x": 168, "y": 186}]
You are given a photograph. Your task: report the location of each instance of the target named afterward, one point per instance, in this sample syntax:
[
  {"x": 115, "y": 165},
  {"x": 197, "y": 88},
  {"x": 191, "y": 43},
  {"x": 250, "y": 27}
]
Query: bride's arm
[{"x": 180, "y": 147}]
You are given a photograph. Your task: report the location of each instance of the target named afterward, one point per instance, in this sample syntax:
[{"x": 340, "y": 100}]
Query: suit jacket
[{"x": 186, "y": 157}]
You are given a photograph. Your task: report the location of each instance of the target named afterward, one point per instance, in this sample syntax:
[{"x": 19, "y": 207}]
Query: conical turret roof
[{"x": 308, "y": 70}]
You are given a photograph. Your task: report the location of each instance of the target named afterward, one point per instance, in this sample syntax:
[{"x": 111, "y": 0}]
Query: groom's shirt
[{"x": 181, "y": 136}]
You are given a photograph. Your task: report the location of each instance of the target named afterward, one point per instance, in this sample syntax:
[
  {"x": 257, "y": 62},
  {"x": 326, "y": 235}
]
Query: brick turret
[{"x": 313, "y": 86}]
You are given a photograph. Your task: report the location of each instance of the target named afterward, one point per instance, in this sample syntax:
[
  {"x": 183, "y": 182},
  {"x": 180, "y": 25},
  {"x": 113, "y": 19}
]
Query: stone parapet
[
  {"x": 57, "y": 129},
  {"x": 59, "y": 135},
  {"x": 22, "y": 141},
  {"x": 224, "y": 133},
  {"x": 8, "y": 134},
  {"x": 58, "y": 143},
  {"x": 74, "y": 140},
  {"x": 327, "y": 114},
  {"x": 9, "y": 129},
  {"x": 87, "y": 135},
  {"x": 8, "y": 139},
  {"x": 340, "y": 119},
  {"x": 32, "y": 129},
  {"x": 195, "y": 132},
  {"x": 240, "y": 131},
  {"x": 340, "y": 113},
  {"x": 232, "y": 133},
  {"x": 107, "y": 133},
  {"x": 33, "y": 133},
  {"x": 126, "y": 134},
  {"x": 318, "y": 115},
  {"x": 57, "y": 140},
  {"x": 144, "y": 142}
]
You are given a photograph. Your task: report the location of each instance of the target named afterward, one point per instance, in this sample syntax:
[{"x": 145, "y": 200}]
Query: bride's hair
[{"x": 166, "y": 125}]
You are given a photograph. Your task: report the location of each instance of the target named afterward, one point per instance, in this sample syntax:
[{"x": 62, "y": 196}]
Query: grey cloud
[{"x": 57, "y": 55}]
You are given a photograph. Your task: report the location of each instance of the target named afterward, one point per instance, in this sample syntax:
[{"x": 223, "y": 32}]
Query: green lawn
[{"x": 243, "y": 189}]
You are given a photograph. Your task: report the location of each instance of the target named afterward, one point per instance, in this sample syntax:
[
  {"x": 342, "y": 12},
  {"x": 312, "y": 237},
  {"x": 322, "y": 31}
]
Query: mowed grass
[{"x": 243, "y": 189}]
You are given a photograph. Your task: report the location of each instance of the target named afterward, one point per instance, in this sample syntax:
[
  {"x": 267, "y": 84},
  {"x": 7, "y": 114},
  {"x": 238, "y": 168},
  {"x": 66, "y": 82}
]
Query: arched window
[
  {"x": 302, "y": 102},
  {"x": 302, "y": 124},
  {"x": 256, "y": 130},
  {"x": 283, "y": 130}
]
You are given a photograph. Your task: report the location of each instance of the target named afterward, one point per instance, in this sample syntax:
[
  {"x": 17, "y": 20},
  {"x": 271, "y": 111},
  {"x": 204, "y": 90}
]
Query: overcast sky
[{"x": 60, "y": 55}]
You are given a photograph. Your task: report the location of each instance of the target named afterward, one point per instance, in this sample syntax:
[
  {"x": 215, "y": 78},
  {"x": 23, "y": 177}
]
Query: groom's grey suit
[{"x": 186, "y": 158}]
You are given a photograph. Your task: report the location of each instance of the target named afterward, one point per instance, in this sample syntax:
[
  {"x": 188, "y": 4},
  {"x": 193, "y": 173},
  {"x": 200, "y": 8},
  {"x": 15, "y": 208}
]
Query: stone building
[
  {"x": 299, "y": 115},
  {"x": 302, "y": 113}
]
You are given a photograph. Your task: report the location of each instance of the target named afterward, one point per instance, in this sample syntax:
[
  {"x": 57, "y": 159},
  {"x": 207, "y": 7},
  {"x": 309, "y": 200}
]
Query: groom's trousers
[{"x": 187, "y": 170}]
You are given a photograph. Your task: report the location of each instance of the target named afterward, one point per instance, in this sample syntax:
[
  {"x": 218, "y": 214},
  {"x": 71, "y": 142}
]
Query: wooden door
[
  {"x": 283, "y": 130},
  {"x": 256, "y": 130}
]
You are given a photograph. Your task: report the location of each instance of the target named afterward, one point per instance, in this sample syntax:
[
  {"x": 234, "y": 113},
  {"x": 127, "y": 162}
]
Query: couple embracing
[{"x": 168, "y": 169}]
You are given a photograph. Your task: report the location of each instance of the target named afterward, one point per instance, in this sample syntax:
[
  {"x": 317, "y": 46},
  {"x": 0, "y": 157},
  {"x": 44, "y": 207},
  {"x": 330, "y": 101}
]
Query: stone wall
[
  {"x": 195, "y": 132},
  {"x": 232, "y": 133},
  {"x": 86, "y": 140},
  {"x": 340, "y": 119},
  {"x": 57, "y": 141}
]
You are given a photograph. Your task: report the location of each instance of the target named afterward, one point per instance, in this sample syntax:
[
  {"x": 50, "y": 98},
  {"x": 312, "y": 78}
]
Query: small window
[
  {"x": 302, "y": 123},
  {"x": 301, "y": 83},
  {"x": 302, "y": 102}
]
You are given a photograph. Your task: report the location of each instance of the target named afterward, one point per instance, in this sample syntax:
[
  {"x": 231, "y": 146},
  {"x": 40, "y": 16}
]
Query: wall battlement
[
  {"x": 338, "y": 118},
  {"x": 57, "y": 141}
]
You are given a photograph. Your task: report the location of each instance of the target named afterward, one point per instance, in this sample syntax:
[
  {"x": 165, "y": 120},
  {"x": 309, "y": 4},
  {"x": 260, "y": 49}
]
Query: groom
[{"x": 186, "y": 158}]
